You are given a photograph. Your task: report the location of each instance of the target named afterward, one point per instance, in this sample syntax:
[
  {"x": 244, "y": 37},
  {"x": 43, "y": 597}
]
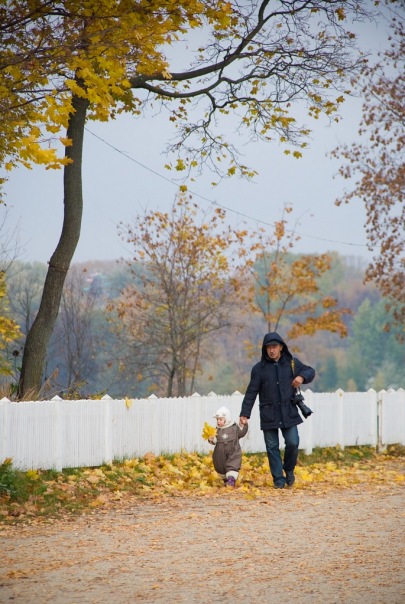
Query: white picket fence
[{"x": 85, "y": 433}]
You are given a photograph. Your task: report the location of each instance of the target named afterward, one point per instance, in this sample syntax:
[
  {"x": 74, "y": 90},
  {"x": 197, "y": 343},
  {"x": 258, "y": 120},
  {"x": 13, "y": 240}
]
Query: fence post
[
  {"x": 380, "y": 445},
  {"x": 106, "y": 402},
  {"x": 340, "y": 419},
  {"x": 4, "y": 428},
  {"x": 58, "y": 430}
]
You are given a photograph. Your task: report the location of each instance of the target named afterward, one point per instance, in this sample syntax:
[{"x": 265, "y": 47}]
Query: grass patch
[{"x": 346, "y": 456}]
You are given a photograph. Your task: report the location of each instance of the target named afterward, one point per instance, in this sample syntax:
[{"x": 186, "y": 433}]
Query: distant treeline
[{"x": 89, "y": 355}]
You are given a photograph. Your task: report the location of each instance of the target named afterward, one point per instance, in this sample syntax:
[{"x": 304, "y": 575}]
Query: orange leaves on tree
[{"x": 285, "y": 286}]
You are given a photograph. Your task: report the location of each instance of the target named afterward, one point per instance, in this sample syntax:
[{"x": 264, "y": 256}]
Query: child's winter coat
[{"x": 227, "y": 455}]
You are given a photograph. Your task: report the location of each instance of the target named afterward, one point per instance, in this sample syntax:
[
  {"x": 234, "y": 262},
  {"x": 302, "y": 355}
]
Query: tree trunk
[
  {"x": 36, "y": 344},
  {"x": 170, "y": 381}
]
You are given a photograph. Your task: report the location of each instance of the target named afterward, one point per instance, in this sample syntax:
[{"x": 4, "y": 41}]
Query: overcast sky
[{"x": 124, "y": 173}]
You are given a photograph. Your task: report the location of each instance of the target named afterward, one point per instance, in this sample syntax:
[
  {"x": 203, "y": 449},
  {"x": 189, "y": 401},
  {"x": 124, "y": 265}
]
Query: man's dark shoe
[
  {"x": 290, "y": 478},
  {"x": 279, "y": 485}
]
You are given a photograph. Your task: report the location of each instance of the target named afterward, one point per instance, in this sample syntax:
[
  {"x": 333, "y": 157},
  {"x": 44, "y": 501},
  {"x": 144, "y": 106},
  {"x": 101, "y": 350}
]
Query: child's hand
[{"x": 212, "y": 440}]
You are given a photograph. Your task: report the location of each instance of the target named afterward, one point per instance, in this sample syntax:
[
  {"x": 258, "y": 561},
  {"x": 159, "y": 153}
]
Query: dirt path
[{"x": 293, "y": 546}]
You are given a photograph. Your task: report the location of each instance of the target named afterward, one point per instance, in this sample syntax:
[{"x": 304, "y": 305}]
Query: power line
[{"x": 216, "y": 203}]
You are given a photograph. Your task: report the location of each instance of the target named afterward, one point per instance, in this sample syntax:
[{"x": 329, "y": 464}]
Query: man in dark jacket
[{"x": 274, "y": 379}]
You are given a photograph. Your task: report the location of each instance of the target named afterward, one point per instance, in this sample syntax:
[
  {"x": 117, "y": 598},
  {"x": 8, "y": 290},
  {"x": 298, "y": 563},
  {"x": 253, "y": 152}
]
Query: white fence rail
[{"x": 61, "y": 434}]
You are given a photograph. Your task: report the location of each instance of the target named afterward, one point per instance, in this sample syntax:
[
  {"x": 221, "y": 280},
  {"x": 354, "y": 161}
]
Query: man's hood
[{"x": 274, "y": 336}]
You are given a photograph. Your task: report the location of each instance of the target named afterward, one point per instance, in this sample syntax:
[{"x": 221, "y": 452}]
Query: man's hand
[
  {"x": 297, "y": 381},
  {"x": 243, "y": 421}
]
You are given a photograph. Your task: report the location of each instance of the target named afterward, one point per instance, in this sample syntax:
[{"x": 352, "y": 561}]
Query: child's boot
[{"x": 231, "y": 482}]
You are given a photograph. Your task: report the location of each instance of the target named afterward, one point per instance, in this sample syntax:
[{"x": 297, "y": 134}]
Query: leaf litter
[
  {"x": 189, "y": 475},
  {"x": 161, "y": 529}
]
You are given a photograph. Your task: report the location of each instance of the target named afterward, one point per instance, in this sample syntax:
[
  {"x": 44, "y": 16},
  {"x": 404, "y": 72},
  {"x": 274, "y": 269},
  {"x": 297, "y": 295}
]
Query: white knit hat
[{"x": 224, "y": 412}]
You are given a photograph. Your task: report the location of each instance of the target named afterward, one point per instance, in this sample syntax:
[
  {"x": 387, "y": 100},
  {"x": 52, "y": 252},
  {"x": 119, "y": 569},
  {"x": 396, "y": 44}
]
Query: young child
[{"x": 227, "y": 455}]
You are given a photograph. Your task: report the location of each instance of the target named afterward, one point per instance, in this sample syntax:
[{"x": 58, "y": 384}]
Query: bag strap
[
  {"x": 293, "y": 366},
  {"x": 298, "y": 389}
]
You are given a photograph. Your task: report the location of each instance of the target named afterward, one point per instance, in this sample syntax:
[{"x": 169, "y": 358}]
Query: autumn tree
[
  {"x": 286, "y": 289},
  {"x": 10, "y": 332},
  {"x": 65, "y": 62},
  {"x": 182, "y": 295},
  {"x": 9, "y": 329},
  {"x": 376, "y": 164}
]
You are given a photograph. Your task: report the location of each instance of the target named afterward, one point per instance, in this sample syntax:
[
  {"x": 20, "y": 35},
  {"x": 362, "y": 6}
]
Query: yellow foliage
[
  {"x": 9, "y": 330},
  {"x": 304, "y": 475},
  {"x": 208, "y": 431},
  {"x": 33, "y": 474},
  {"x": 91, "y": 49},
  {"x": 104, "y": 52}
]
